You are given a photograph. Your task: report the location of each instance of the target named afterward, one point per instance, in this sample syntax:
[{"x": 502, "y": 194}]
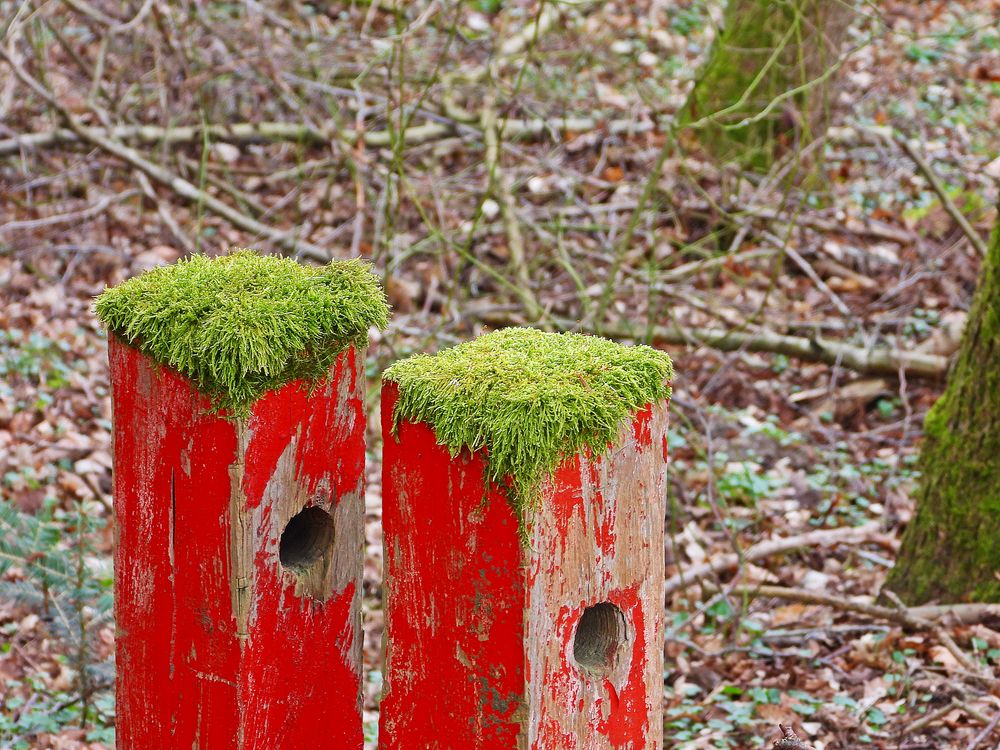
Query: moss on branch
[{"x": 243, "y": 324}]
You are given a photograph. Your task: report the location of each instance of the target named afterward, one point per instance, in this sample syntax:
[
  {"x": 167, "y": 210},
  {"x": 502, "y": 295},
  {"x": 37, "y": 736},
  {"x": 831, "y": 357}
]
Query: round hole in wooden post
[
  {"x": 599, "y": 635},
  {"x": 306, "y": 539}
]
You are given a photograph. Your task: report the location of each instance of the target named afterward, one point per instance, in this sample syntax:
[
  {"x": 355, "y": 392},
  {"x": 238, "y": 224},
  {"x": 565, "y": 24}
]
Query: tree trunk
[
  {"x": 951, "y": 549},
  {"x": 766, "y": 49}
]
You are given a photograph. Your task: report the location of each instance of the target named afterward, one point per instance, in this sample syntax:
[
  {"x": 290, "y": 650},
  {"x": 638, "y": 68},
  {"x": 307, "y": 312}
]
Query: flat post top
[
  {"x": 243, "y": 324},
  {"x": 529, "y": 399}
]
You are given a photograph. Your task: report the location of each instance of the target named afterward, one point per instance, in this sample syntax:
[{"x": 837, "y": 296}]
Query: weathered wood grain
[
  {"x": 487, "y": 650},
  {"x": 220, "y": 645}
]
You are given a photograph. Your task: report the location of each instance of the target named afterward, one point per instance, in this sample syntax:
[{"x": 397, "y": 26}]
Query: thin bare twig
[
  {"x": 71, "y": 216},
  {"x": 932, "y": 177},
  {"x": 821, "y": 538},
  {"x": 508, "y": 209},
  {"x": 987, "y": 731}
]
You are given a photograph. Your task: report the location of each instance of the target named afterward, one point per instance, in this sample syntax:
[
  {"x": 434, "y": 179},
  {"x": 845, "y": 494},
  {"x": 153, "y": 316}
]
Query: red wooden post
[
  {"x": 238, "y": 563},
  {"x": 495, "y": 645},
  {"x": 238, "y": 556}
]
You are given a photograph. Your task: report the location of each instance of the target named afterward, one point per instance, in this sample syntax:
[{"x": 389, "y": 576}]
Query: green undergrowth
[
  {"x": 529, "y": 398},
  {"x": 243, "y": 324}
]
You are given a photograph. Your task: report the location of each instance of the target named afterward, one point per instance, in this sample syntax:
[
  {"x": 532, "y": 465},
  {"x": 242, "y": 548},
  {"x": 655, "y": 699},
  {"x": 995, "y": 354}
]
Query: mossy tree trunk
[
  {"x": 766, "y": 49},
  {"x": 951, "y": 549}
]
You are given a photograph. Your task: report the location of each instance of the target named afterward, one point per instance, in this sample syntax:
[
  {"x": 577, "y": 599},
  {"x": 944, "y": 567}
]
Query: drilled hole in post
[
  {"x": 306, "y": 538},
  {"x": 599, "y": 635}
]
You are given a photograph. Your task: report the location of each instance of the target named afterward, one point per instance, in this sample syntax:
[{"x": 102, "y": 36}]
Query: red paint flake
[
  {"x": 641, "y": 427},
  {"x": 605, "y": 521},
  {"x": 566, "y": 505}
]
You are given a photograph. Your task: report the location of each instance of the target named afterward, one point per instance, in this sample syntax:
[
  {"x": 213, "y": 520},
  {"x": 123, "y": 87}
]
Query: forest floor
[{"x": 763, "y": 446}]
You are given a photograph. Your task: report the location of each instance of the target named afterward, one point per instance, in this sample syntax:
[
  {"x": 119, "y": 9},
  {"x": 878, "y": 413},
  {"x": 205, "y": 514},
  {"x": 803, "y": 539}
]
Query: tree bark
[
  {"x": 951, "y": 549},
  {"x": 742, "y": 102}
]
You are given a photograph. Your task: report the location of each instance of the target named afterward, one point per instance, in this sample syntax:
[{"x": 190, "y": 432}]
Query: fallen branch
[
  {"x": 879, "y": 361},
  {"x": 946, "y": 201},
  {"x": 932, "y": 177},
  {"x": 901, "y": 615},
  {"x": 933, "y": 716},
  {"x": 816, "y": 279},
  {"x": 164, "y": 213},
  {"x": 812, "y": 539},
  {"x": 849, "y": 225},
  {"x": 911, "y": 617},
  {"x": 960, "y": 614},
  {"x": 277, "y": 132}
]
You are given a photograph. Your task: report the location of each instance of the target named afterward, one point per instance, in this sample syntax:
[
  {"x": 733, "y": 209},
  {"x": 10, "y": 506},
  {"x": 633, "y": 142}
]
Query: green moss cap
[
  {"x": 529, "y": 398},
  {"x": 243, "y": 324}
]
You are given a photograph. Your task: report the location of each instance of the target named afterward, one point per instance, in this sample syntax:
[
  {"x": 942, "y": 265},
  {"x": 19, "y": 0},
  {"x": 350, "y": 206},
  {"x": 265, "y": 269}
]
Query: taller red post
[
  {"x": 239, "y": 439},
  {"x": 238, "y": 562}
]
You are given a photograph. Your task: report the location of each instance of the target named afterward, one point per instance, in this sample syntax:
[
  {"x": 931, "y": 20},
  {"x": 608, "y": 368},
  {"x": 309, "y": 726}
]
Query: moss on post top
[
  {"x": 529, "y": 399},
  {"x": 243, "y": 324}
]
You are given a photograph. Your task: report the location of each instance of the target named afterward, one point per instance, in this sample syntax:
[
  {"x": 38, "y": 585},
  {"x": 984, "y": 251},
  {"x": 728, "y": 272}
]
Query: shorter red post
[{"x": 494, "y": 643}]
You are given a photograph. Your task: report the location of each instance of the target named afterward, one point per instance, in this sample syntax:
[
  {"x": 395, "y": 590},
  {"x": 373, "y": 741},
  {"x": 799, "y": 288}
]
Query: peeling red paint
[
  {"x": 642, "y": 427},
  {"x": 454, "y": 669},
  {"x": 187, "y": 677},
  {"x": 481, "y": 630}
]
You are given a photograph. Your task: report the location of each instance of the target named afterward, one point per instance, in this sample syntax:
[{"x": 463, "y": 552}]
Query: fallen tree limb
[
  {"x": 276, "y": 132},
  {"x": 878, "y": 360},
  {"x": 960, "y": 614},
  {"x": 889, "y": 136},
  {"x": 940, "y": 713},
  {"x": 73, "y": 216},
  {"x": 849, "y": 225},
  {"x": 724, "y": 563},
  {"x": 949, "y": 205},
  {"x": 901, "y": 615},
  {"x": 912, "y": 617}
]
